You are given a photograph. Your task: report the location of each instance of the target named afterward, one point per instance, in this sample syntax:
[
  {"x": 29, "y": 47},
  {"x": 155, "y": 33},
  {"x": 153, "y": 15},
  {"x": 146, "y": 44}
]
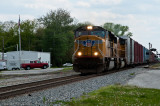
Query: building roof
[{"x": 27, "y": 51}]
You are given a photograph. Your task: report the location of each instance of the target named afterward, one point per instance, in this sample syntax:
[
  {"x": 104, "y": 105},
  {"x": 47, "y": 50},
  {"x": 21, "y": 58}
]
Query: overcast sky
[{"x": 142, "y": 16}]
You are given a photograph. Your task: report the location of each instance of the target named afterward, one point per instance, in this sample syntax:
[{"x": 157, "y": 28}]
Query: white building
[{"x": 14, "y": 57}]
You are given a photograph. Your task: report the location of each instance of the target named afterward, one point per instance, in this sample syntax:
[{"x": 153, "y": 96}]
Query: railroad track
[
  {"x": 12, "y": 91},
  {"x": 15, "y": 90}
]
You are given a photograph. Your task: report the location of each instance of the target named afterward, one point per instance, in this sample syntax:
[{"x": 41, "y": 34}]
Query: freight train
[{"x": 97, "y": 50}]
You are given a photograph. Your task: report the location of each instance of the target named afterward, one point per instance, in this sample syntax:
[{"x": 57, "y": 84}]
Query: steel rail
[{"x": 15, "y": 90}]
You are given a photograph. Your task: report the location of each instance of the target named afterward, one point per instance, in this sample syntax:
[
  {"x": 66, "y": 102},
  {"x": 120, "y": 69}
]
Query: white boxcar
[
  {"x": 26, "y": 57},
  {"x": 129, "y": 50}
]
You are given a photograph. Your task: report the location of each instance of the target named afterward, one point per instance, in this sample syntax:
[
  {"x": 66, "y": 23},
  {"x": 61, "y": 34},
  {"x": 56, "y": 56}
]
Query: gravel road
[{"x": 75, "y": 90}]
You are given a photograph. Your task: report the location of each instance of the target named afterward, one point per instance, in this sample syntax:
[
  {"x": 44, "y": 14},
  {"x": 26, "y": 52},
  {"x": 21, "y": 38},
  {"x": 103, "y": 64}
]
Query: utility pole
[
  {"x": 19, "y": 30},
  {"x": 149, "y": 51},
  {"x": 17, "y": 47}
]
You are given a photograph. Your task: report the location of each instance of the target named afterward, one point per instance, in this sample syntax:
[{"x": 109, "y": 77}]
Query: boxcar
[
  {"x": 145, "y": 55},
  {"x": 136, "y": 47},
  {"x": 129, "y": 50},
  {"x": 141, "y": 54}
]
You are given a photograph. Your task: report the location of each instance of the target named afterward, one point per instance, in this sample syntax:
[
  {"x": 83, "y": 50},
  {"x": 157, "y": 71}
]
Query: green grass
[
  {"x": 157, "y": 65},
  {"x": 118, "y": 95},
  {"x": 132, "y": 73},
  {"x": 44, "y": 99},
  {"x": 67, "y": 69},
  {"x": 1, "y": 78}
]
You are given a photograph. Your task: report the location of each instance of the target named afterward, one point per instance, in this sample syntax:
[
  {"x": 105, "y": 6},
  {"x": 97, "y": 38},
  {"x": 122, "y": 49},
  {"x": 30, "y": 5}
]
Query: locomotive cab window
[
  {"x": 80, "y": 33},
  {"x": 97, "y": 33},
  {"x": 91, "y": 30}
]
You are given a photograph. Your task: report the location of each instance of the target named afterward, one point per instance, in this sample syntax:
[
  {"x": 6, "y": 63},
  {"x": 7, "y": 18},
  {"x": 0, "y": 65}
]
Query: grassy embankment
[
  {"x": 67, "y": 68},
  {"x": 157, "y": 65},
  {"x": 118, "y": 95}
]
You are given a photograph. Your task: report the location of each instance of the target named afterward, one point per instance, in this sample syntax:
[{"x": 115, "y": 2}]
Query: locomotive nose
[{"x": 89, "y": 46}]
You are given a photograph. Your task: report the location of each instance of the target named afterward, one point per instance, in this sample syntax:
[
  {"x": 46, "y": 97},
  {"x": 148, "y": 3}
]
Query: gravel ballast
[{"x": 66, "y": 92}]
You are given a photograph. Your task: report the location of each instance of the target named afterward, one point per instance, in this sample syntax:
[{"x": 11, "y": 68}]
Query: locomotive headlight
[
  {"x": 95, "y": 53},
  {"x": 89, "y": 27},
  {"x": 79, "y": 53}
]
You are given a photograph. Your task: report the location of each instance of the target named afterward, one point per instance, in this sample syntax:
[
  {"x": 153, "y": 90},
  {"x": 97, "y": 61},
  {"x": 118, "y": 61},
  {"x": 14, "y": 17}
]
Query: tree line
[{"x": 52, "y": 33}]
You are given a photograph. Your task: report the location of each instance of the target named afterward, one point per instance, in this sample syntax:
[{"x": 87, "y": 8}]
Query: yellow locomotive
[{"x": 97, "y": 50}]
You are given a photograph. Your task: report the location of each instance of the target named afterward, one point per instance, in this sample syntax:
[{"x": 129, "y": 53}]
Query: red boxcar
[
  {"x": 135, "y": 52},
  {"x": 138, "y": 53},
  {"x": 141, "y": 54}
]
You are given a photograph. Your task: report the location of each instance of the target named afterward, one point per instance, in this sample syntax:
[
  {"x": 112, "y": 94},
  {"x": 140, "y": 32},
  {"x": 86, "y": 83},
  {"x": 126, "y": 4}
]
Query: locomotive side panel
[{"x": 121, "y": 52}]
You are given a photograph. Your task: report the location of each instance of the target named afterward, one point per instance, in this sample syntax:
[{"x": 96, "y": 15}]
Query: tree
[
  {"x": 38, "y": 41},
  {"x": 28, "y": 28},
  {"x": 8, "y": 32},
  {"x": 117, "y": 29},
  {"x": 57, "y": 26}
]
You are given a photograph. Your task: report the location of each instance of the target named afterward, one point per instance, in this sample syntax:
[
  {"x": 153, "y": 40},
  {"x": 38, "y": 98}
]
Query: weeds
[
  {"x": 132, "y": 73},
  {"x": 44, "y": 99},
  {"x": 118, "y": 95}
]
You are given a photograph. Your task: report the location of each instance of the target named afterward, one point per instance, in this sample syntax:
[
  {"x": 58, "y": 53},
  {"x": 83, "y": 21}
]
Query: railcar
[
  {"x": 145, "y": 55},
  {"x": 129, "y": 50}
]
